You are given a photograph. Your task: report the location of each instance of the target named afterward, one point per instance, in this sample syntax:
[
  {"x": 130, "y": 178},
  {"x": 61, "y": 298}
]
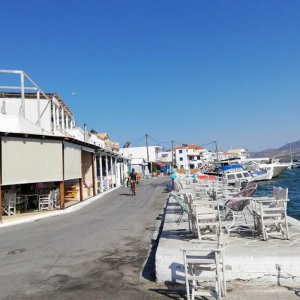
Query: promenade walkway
[{"x": 272, "y": 265}]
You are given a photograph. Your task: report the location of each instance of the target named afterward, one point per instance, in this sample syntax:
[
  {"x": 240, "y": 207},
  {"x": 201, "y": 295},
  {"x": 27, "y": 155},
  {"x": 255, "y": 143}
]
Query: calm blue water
[{"x": 289, "y": 179}]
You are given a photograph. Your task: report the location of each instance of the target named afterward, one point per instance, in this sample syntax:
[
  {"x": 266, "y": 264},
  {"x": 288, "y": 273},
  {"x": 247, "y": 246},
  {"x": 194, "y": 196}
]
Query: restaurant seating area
[
  {"x": 215, "y": 213},
  {"x": 30, "y": 197}
]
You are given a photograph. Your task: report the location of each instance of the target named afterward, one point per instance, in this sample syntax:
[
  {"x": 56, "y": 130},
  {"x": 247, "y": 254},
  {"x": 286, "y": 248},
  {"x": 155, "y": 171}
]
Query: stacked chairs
[{"x": 45, "y": 201}]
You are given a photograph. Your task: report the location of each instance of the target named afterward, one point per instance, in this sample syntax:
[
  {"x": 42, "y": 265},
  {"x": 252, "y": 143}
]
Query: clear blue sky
[{"x": 189, "y": 71}]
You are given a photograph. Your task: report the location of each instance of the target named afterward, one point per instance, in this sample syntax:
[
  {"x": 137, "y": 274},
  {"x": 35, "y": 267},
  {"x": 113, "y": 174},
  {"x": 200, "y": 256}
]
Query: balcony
[{"x": 18, "y": 124}]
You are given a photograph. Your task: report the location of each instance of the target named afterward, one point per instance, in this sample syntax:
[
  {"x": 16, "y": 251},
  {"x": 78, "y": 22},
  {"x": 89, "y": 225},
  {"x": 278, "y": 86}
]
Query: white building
[
  {"x": 232, "y": 154},
  {"x": 189, "y": 157},
  {"x": 141, "y": 152},
  {"x": 166, "y": 156}
]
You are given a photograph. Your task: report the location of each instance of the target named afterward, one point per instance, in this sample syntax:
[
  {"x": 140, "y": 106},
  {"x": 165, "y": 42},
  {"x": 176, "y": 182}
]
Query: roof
[
  {"x": 160, "y": 163},
  {"x": 235, "y": 151},
  {"x": 103, "y": 136},
  {"x": 195, "y": 147},
  {"x": 230, "y": 167}
]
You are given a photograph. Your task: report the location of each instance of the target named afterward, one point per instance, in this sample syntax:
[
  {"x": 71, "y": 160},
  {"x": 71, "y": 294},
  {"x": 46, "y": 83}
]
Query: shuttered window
[
  {"x": 31, "y": 160},
  {"x": 72, "y": 161}
]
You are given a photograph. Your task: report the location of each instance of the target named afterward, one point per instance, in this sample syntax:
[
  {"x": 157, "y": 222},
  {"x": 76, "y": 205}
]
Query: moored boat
[
  {"x": 261, "y": 175},
  {"x": 275, "y": 166}
]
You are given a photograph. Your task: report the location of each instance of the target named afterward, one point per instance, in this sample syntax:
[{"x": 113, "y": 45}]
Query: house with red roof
[{"x": 189, "y": 157}]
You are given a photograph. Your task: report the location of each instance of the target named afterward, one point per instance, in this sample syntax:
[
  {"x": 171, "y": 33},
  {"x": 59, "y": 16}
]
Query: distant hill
[{"x": 283, "y": 153}]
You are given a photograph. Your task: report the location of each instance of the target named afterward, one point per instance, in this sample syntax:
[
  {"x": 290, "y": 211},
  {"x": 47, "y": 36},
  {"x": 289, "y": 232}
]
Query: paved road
[{"x": 97, "y": 252}]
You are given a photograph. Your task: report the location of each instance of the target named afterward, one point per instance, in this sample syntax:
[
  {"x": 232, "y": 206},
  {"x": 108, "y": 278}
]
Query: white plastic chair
[
  {"x": 204, "y": 273},
  {"x": 55, "y": 198},
  {"x": 9, "y": 203},
  {"x": 270, "y": 214},
  {"x": 45, "y": 201}
]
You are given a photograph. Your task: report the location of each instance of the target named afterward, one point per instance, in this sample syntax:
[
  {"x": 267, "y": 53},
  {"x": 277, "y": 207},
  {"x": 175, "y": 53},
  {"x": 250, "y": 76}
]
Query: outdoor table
[{"x": 28, "y": 196}]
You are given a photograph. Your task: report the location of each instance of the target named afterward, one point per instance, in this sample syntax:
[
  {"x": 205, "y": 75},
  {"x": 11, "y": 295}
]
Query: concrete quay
[{"x": 247, "y": 259}]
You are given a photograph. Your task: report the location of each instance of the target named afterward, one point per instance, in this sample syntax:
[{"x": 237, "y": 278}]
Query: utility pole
[
  {"x": 172, "y": 156},
  {"x": 148, "y": 154},
  {"x": 217, "y": 151},
  {"x": 84, "y": 126}
]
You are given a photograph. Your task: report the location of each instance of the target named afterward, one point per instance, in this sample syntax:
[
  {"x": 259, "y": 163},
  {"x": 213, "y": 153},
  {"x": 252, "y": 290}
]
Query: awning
[{"x": 161, "y": 164}]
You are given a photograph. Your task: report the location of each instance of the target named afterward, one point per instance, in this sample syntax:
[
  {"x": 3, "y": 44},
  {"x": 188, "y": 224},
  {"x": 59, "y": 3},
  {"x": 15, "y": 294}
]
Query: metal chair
[{"x": 235, "y": 209}]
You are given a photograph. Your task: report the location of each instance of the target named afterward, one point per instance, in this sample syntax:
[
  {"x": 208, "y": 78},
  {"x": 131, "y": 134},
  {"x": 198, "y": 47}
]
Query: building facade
[
  {"x": 43, "y": 151},
  {"x": 189, "y": 157}
]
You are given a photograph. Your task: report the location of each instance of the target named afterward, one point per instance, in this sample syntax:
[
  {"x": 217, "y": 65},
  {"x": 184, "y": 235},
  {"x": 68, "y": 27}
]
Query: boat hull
[
  {"x": 278, "y": 169},
  {"x": 268, "y": 175}
]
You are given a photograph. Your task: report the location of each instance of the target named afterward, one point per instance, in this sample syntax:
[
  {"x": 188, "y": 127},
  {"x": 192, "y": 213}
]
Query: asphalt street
[{"x": 97, "y": 252}]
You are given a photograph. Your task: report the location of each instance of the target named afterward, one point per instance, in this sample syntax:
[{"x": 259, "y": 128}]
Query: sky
[{"x": 191, "y": 71}]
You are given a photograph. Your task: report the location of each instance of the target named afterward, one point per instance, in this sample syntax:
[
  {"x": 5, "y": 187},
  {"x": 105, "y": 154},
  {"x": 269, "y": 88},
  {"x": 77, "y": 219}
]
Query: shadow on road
[{"x": 168, "y": 293}]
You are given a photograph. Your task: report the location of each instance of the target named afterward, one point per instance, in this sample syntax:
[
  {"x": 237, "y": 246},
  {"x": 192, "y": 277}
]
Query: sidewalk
[{"x": 39, "y": 215}]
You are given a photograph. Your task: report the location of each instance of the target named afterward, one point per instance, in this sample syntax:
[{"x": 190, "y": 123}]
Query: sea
[{"x": 289, "y": 179}]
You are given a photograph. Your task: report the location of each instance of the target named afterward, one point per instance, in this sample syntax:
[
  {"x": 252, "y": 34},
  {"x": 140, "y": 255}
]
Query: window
[
  {"x": 192, "y": 166},
  {"x": 180, "y": 151},
  {"x": 181, "y": 166},
  {"x": 231, "y": 176},
  {"x": 239, "y": 175},
  {"x": 181, "y": 158},
  {"x": 246, "y": 174}
]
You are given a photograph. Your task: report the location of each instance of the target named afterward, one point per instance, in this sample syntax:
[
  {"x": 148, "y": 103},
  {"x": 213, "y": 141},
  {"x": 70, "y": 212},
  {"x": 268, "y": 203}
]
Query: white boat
[
  {"x": 234, "y": 173},
  {"x": 275, "y": 166},
  {"x": 233, "y": 177},
  {"x": 256, "y": 172},
  {"x": 261, "y": 175}
]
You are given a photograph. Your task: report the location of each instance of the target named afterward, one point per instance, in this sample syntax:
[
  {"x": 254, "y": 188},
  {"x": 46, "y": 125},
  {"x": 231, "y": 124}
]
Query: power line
[
  {"x": 171, "y": 144},
  {"x": 159, "y": 142}
]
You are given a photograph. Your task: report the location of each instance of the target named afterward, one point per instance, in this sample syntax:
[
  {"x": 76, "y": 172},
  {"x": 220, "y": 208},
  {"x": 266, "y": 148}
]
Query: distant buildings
[{"x": 142, "y": 157}]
